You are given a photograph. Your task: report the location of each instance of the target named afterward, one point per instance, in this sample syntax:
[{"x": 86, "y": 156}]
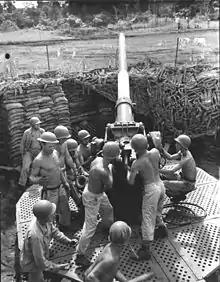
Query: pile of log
[
  {"x": 23, "y": 99},
  {"x": 180, "y": 100}
]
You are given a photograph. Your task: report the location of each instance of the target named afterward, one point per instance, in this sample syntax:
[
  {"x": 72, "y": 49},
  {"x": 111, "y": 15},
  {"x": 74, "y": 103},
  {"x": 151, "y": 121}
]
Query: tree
[
  {"x": 1, "y": 8},
  {"x": 9, "y": 7}
]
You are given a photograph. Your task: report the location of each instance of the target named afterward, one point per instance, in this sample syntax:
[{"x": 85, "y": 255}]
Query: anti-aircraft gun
[
  {"x": 122, "y": 131},
  {"x": 124, "y": 127}
]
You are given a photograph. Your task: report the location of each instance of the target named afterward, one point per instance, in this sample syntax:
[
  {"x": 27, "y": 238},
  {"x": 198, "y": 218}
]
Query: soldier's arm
[
  {"x": 132, "y": 173},
  {"x": 107, "y": 180},
  {"x": 35, "y": 171},
  {"x": 168, "y": 156},
  {"x": 39, "y": 258},
  {"x": 23, "y": 142},
  {"x": 58, "y": 235},
  {"x": 79, "y": 157},
  {"x": 174, "y": 169},
  {"x": 120, "y": 276}
]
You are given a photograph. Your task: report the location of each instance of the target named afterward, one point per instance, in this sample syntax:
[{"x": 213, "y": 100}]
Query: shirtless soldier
[
  {"x": 63, "y": 135},
  {"x": 178, "y": 184},
  {"x": 46, "y": 171},
  {"x": 147, "y": 165},
  {"x": 83, "y": 151},
  {"x": 95, "y": 199},
  {"x": 105, "y": 267},
  {"x": 30, "y": 148}
]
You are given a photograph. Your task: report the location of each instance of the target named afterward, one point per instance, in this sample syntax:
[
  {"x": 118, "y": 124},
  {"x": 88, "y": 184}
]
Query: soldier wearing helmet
[
  {"x": 95, "y": 199},
  {"x": 147, "y": 165},
  {"x": 182, "y": 177},
  {"x": 84, "y": 149},
  {"x": 105, "y": 267},
  {"x": 47, "y": 172},
  {"x": 35, "y": 250},
  {"x": 30, "y": 148}
]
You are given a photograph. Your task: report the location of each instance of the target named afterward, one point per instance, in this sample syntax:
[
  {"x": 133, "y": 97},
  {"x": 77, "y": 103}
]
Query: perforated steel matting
[
  {"x": 189, "y": 253},
  {"x": 28, "y": 199},
  {"x": 198, "y": 245}
]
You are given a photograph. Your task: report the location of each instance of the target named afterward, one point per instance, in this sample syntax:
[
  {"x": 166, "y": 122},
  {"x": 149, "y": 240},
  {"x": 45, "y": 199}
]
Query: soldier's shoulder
[
  {"x": 154, "y": 151},
  {"x": 28, "y": 130}
]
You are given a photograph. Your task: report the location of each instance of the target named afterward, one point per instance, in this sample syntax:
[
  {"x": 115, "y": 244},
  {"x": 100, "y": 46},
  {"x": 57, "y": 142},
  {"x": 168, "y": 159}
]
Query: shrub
[{"x": 8, "y": 26}]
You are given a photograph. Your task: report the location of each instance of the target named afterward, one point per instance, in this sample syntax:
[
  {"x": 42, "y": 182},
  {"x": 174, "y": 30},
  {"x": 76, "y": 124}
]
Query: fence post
[
  {"x": 177, "y": 48},
  {"x": 48, "y": 59}
]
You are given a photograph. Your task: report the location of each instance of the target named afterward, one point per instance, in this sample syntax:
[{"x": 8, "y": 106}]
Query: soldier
[
  {"x": 105, "y": 267},
  {"x": 183, "y": 182},
  {"x": 46, "y": 171},
  {"x": 147, "y": 165},
  {"x": 84, "y": 149},
  {"x": 35, "y": 250},
  {"x": 73, "y": 167},
  {"x": 95, "y": 199},
  {"x": 30, "y": 148}
]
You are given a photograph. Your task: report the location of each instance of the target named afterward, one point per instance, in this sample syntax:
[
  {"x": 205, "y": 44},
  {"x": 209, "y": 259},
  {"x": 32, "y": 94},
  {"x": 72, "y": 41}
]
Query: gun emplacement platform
[{"x": 189, "y": 253}]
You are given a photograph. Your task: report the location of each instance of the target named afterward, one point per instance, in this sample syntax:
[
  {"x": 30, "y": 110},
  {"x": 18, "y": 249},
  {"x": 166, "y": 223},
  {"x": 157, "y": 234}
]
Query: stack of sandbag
[
  {"x": 22, "y": 100},
  {"x": 80, "y": 98}
]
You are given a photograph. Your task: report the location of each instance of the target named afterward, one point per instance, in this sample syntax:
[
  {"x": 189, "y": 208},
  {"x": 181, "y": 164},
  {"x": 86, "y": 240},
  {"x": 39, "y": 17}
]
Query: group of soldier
[{"x": 53, "y": 160}]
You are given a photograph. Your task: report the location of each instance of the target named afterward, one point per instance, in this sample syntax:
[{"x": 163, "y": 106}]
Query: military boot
[
  {"x": 160, "y": 232},
  {"x": 143, "y": 253}
]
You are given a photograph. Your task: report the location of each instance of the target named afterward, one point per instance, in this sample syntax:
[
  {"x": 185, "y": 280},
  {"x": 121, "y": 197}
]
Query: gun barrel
[{"x": 124, "y": 104}]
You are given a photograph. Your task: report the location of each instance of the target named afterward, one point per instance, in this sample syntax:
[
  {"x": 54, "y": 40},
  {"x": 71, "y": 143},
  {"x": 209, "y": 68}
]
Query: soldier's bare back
[{"x": 100, "y": 177}]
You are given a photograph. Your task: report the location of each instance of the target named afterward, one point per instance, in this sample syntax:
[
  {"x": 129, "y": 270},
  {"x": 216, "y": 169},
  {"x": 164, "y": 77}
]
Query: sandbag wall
[{"x": 21, "y": 100}]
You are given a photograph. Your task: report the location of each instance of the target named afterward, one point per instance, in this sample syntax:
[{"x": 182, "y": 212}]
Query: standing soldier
[
  {"x": 30, "y": 148},
  {"x": 95, "y": 199},
  {"x": 147, "y": 165},
  {"x": 84, "y": 149},
  {"x": 46, "y": 171},
  {"x": 62, "y": 134}
]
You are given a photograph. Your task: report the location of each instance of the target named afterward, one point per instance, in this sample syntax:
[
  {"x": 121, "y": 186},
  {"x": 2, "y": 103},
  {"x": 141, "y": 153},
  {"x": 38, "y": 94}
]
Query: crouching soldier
[
  {"x": 105, "y": 267},
  {"x": 46, "y": 171},
  {"x": 30, "y": 148},
  {"x": 35, "y": 250},
  {"x": 179, "y": 184}
]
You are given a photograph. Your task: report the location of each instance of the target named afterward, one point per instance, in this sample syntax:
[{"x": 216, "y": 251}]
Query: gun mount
[{"x": 124, "y": 127}]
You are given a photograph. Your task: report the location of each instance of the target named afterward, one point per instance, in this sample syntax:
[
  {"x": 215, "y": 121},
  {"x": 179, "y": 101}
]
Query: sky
[{"x": 21, "y": 4}]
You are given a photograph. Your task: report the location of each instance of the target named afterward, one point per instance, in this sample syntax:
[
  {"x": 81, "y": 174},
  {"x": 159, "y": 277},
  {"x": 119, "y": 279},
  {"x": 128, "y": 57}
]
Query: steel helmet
[
  {"x": 61, "y": 132},
  {"x": 71, "y": 144},
  {"x": 119, "y": 232},
  {"x": 139, "y": 142},
  {"x": 43, "y": 208},
  {"x": 48, "y": 137},
  {"x": 83, "y": 134},
  {"x": 110, "y": 150},
  {"x": 183, "y": 140},
  {"x": 35, "y": 120}
]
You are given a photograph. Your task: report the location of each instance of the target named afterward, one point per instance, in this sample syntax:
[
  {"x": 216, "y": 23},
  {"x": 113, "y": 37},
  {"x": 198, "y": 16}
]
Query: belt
[{"x": 45, "y": 189}]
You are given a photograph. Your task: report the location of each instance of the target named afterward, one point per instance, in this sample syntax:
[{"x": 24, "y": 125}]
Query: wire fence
[{"x": 79, "y": 56}]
